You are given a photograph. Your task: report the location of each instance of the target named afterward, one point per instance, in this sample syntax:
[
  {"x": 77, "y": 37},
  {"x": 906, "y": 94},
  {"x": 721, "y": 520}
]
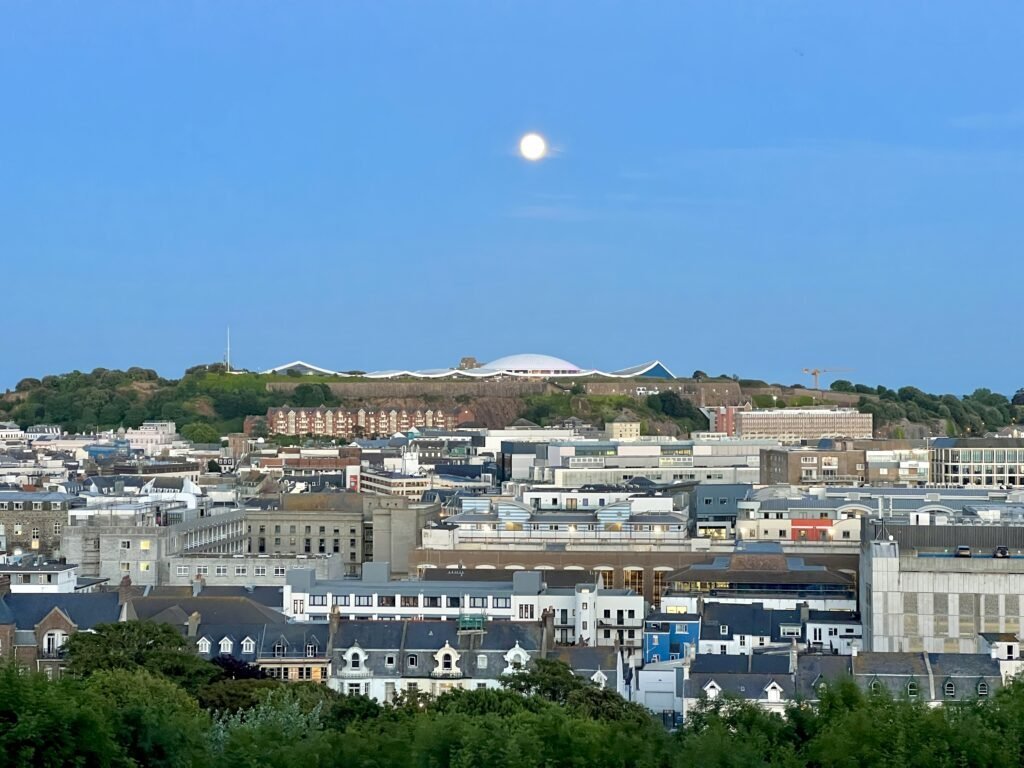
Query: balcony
[{"x": 447, "y": 674}]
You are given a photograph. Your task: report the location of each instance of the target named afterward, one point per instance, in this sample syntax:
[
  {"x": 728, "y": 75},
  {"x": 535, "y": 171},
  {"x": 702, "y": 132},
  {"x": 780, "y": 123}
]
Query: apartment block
[{"x": 791, "y": 425}]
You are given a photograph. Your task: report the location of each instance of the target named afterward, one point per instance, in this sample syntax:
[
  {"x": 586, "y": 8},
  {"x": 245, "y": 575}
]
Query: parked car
[
  {"x": 962, "y": 551},
  {"x": 1000, "y": 552}
]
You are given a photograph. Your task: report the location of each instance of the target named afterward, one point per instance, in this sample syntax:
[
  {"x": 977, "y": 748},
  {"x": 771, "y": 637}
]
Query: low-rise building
[
  {"x": 791, "y": 425},
  {"x": 989, "y": 462},
  {"x": 585, "y": 614}
]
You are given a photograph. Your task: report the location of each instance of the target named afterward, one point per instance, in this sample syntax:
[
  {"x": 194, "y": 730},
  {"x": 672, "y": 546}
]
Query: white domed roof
[{"x": 531, "y": 363}]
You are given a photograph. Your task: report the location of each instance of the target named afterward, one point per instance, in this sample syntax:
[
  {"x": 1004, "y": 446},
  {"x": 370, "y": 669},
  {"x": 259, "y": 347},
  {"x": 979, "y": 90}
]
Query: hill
[{"x": 106, "y": 399}]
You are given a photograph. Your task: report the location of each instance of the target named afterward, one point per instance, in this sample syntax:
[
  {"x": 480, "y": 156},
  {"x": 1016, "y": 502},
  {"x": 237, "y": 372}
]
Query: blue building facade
[{"x": 670, "y": 636}]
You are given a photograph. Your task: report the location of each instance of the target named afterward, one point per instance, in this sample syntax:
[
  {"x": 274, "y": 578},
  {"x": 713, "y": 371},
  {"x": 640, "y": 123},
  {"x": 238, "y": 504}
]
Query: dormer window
[
  {"x": 912, "y": 689},
  {"x": 203, "y": 645},
  {"x": 723, "y": 630},
  {"x": 481, "y": 661},
  {"x": 356, "y": 661},
  {"x": 225, "y": 646},
  {"x": 982, "y": 688},
  {"x": 248, "y": 645},
  {"x": 311, "y": 650},
  {"x": 279, "y": 648},
  {"x": 876, "y": 686},
  {"x": 446, "y": 662},
  {"x": 949, "y": 689}
]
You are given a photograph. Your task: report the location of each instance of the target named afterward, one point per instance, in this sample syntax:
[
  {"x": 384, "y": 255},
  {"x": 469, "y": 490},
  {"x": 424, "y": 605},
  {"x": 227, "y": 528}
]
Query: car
[
  {"x": 962, "y": 551},
  {"x": 1000, "y": 551}
]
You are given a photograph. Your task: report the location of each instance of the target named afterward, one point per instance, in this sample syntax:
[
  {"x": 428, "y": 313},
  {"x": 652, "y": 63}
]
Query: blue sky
[{"x": 740, "y": 187}]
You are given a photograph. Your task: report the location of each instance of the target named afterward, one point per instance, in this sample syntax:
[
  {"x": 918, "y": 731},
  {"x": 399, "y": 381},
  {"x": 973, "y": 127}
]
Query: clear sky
[{"x": 740, "y": 187}]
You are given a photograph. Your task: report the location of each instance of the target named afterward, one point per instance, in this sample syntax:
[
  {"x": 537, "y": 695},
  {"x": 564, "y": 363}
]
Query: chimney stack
[
  {"x": 335, "y": 623},
  {"x": 547, "y": 620},
  {"x": 124, "y": 590},
  {"x": 5, "y": 586},
  {"x": 193, "y": 624}
]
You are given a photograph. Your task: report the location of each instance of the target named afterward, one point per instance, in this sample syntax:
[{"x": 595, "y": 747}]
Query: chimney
[
  {"x": 193, "y": 624},
  {"x": 547, "y": 620},
  {"x": 700, "y": 606},
  {"x": 335, "y": 623},
  {"x": 805, "y": 613},
  {"x": 5, "y": 586},
  {"x": 794, "y": 657},
  {"x": 124, "y": 590}
]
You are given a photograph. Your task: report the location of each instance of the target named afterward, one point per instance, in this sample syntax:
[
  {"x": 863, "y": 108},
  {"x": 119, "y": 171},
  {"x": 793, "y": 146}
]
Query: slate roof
[
  {"x": 212, "y": 610},
  {"x": 85, "y": 610}
]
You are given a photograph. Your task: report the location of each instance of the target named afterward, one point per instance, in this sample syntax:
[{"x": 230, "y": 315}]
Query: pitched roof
[{"x": 85, "y": 610}]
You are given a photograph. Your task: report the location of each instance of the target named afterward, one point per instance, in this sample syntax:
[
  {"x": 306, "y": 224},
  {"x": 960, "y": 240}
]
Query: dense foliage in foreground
[{"x": 135, "y": 705}]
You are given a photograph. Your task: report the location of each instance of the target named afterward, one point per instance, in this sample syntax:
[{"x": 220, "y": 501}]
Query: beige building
[
  {"x": 355, "y": 527},
  {"x": 384, "y": 483},
  {"x": 791, "y": 425},
  {"x": 625, "y": 426}
]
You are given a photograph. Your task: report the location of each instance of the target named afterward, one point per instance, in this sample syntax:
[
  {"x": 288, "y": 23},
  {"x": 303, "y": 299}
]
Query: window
[
  {"x": 240, "y": 570},
  {"x": 446, "y": 662},
  {"x": 723, "y": 630},
  {"x": 341, "y": 599},
  {"x": 949, "y": 689},
  {"x": 912, "y": 689},
  {"x": 202, "y": 570},
  {"x": 225, "y": 646},
  {"x": 126, "y": 544},
  {"x": 410, "y": 601},
  {"x": 220, "y": 570},
  {"x": 983, "y": 688},
  {"x": 279, "y": 570},
  {"x": 279, "y": 648},
  {"x": 478, "y": 602},
  {"x": 526, "y": 611},
  {"x": 364, "y": 601},
  {"x": 761, "y": 640},
  {"x": 56, "y": 529},
  {"x": 387, "y": 601},
  {"x": 248, "y": 645},
  {"x": 126, "y": 567},
  {"x": 411, "y": 660},
  {"x": 182, "y": 570},
  {"x": 481, "y": 661},
  {"x": 502, "y": 602},
  {"x": 311, "y": 651},
  {"x": 454, "y": 602},
  {"x": 144, "y": 545},
  {"x": 389, "y": 660},
  {"x": 259, "y": 570},
  {"x": 722, "y": 650},
  {"x": 144, "y": 566},
  {"x": 584, "y": 625},
  {"x": 298, "y": 606},
  {"x": 203, "y": 645},
  {"x": 431, "y": 602},
  {"x": 743, "y": 640}
]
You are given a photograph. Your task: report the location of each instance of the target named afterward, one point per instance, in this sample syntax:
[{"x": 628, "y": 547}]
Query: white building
[
  {"x": 152, "y": 437},
  {"x": 586, "y": 614}
]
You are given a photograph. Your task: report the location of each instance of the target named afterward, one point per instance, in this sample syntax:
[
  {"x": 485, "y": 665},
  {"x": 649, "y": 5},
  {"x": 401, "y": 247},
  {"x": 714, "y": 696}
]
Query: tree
[
  {"x": 200, "y": 432},
  {"x": 155, "y": 721},
  {"x": 842, "y": 385},
  {"x": 698, "y": 375},
  {"x": 1018, "y": 397},
  {"x": 213, "y": 466},
  {"x": 132, "y": 645},
  {"x": 235, "y": 695}
]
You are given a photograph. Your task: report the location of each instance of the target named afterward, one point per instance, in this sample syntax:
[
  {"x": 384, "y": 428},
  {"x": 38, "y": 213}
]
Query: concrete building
[
  {"x": 36, "y": 575},
  {"x": 791, "y": 425},
  {"x": 988, "y": 462},
  {"x": 916, "y": 594},
  {"x": 243, "y": 570},
  {"x": 152, "y": 437},
  {"x": 138, "y": 540}
]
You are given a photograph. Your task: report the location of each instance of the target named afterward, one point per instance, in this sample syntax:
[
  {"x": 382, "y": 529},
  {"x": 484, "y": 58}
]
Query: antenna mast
[{"x": 227, "y": 357}]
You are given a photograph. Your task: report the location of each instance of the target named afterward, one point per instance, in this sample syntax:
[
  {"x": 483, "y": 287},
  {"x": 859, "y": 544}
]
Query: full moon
[{"x": 533, "y": 147}]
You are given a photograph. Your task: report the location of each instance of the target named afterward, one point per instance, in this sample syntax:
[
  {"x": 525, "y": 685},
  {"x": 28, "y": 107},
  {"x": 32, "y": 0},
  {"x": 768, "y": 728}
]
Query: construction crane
[{"x": 816, "y": 373}]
